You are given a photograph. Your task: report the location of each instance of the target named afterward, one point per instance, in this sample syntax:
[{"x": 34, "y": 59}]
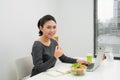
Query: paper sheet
[{"x": 54, "y": 73}]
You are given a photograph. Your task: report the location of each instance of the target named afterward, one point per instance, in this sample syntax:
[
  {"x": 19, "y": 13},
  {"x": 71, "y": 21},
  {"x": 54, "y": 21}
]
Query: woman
[{"x": 46, "y": 50}]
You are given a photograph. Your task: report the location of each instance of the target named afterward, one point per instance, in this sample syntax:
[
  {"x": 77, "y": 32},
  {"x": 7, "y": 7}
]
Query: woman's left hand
[{"x": 82, "y": 61}]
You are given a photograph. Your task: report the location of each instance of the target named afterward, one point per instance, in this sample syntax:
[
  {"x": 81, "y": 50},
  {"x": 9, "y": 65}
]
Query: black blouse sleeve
[
  {"x": 38, "y": 59},
  {"x": 66, "y": 59}
]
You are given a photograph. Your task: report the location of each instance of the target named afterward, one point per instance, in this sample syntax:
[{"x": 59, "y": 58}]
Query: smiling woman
[{"x": 46, "y": 50}]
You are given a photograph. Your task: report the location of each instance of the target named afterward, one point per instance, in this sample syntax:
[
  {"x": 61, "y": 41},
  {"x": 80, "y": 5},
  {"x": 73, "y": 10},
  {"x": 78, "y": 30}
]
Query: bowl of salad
[{"x": 78, "y": 69}]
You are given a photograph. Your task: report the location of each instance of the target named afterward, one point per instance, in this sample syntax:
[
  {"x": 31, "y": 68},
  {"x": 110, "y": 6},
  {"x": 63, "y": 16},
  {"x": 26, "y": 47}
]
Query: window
[{"x": 107, "y": 26}]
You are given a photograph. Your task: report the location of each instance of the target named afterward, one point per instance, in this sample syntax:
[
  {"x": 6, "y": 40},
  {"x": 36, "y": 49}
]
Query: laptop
[{"x": 94, "y": 66}]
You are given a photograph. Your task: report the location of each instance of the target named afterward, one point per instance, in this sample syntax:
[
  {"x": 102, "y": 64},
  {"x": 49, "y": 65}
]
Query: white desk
[{"x": 107, "y": 71}]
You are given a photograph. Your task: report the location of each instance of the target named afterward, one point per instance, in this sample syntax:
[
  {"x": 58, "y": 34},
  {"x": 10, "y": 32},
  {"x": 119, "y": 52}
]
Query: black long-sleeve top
[{"x": 43, "y": 57}]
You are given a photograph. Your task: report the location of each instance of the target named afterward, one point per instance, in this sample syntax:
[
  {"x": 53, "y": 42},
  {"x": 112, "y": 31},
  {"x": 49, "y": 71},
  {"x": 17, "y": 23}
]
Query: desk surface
[{"x": 107, "y": 71}]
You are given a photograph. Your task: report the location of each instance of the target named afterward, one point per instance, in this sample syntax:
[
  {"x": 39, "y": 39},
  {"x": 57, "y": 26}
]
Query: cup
[
  {"x": 89, "y": 58},
  {"x": 109, "y": 56}
]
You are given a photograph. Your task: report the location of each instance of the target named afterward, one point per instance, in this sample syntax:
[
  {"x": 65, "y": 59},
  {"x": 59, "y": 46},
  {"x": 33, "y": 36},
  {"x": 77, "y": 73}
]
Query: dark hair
[{"x": 43, "y": 20}]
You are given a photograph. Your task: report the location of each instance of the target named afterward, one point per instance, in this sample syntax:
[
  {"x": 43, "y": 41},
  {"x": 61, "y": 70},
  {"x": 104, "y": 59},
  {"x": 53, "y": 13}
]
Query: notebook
[
  {"x": 54, "y": 73},
  {"x": 94, "y": 66},
  {"x": 58, "y": 71}
]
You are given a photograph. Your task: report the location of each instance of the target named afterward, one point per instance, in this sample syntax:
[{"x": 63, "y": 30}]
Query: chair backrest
[{"x": 24, "y": 66}]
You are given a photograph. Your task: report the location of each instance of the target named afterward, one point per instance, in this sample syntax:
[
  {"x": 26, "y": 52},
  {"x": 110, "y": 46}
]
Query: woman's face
[{"x": 49, "y": 29}]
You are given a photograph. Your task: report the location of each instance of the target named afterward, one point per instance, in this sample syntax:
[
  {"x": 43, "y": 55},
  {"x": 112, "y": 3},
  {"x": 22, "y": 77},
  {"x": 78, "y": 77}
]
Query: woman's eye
[
  {"x": 48, "y": 27},
  {"x": 54, "y": 27}
]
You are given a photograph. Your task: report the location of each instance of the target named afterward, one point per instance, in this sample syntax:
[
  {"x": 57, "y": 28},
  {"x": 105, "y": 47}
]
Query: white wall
[
  {"x": 76, "y": 27},
  {"x": 18, "y": 30}
]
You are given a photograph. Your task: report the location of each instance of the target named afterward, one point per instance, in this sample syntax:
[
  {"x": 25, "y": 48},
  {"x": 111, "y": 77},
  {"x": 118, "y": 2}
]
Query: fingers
[
  {"x": 86, "y": 62},
  {"x": 58, "y": 47},
  {"x": 58, "y": 51},
  {"x": 82, "y": 61}
]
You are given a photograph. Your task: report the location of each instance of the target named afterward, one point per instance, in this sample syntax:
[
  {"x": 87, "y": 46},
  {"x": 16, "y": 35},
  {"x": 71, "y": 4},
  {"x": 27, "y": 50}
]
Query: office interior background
[{"x": 18, "y": 29}]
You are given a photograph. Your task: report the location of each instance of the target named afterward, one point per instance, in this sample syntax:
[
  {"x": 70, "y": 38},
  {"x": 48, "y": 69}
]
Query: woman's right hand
[{"x": 58, "y": 52}]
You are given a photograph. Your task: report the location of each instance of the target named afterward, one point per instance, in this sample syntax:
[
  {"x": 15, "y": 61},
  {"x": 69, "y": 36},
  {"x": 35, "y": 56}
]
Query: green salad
[{"x": 77, "y": 65}]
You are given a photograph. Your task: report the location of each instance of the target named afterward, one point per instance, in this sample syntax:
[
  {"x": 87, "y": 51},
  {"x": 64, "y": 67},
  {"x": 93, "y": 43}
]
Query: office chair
[{"x": 24, "y": 67}]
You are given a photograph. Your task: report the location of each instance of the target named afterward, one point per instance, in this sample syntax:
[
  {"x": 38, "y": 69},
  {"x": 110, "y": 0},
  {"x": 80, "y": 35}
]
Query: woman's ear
[{"x": 40, "y": 28}]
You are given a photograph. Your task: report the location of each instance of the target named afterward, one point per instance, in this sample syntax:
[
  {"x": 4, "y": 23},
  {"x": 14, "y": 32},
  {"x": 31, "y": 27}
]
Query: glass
[
  {"x": 89, "y": 58},
  {"x": 109, "y": 56}
]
